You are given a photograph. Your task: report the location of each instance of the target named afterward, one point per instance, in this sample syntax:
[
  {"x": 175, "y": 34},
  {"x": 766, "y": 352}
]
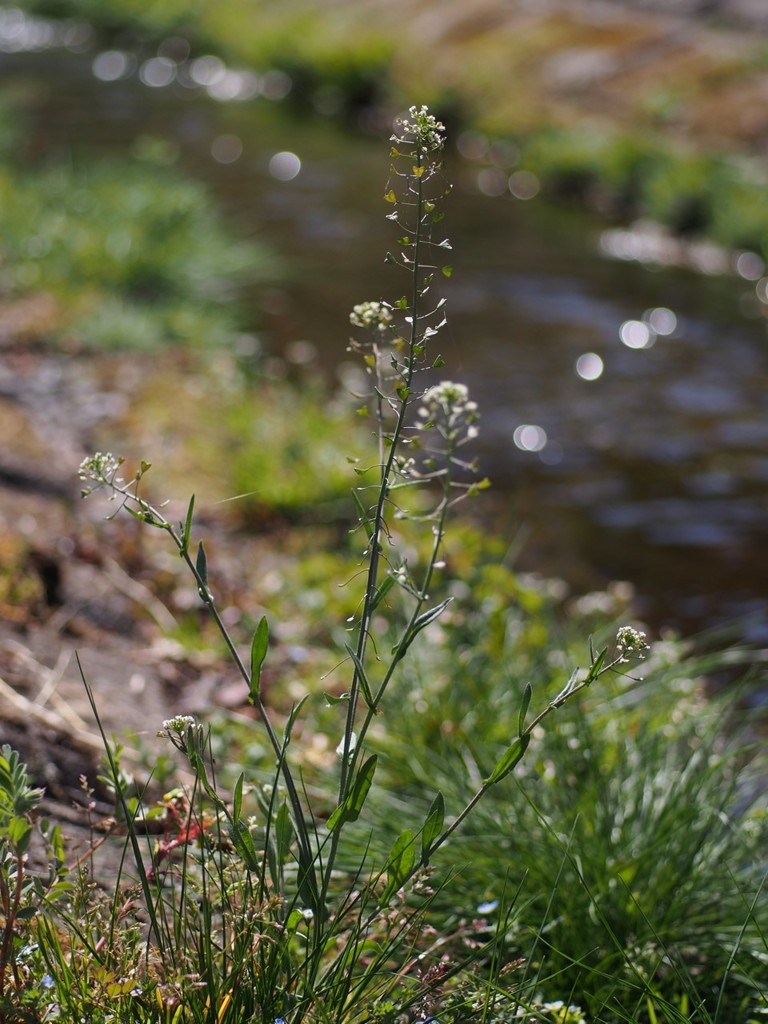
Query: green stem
[{"x": 350, "y": 754}]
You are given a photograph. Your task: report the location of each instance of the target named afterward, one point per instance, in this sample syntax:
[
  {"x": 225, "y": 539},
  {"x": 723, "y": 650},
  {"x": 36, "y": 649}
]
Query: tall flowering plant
[{"x": 305, "y": 949}]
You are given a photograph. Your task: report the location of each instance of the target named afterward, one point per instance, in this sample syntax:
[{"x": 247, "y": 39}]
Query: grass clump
[{"x": 460, "y": 848}]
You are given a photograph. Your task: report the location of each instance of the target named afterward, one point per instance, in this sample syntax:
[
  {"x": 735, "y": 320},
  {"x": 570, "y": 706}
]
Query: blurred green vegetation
[
  {"x": 273, "y": 450},
  {"x": 135, "y": 255},
  {"x": 625, "y": 176}
]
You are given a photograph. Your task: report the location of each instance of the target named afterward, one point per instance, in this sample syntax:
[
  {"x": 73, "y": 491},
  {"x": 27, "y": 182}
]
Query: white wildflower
[
  {"x": 420, "y": 127},
  {"x": 372, "y": 315},
  {"x": 631, "y": 643},
  {"x": 99, "y": 469},
  {"x": 447, "y": 407},
  {"x": 179, "y": 724}
]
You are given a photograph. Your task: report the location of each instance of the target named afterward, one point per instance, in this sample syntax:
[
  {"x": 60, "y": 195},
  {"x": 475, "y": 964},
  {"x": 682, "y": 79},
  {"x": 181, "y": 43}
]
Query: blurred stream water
[{"x": 624, "y": 409}]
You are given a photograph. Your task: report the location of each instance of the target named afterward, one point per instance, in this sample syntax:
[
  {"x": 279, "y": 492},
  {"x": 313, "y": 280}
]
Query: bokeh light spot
[
  {"x": 529, "y": 437},
  {"x": 589, "y": 366},
  {"x": 636, "y": 334},
  {"x": 226, "y": 149},
  {"x": 492, "y": 182},
  {"x": 750, "y": 266},
  {"x": 472, "y": 145},
  {"x": 276, "y": 84},
  {"x": 523, "y": 185},
  {"x": 284, "y": 166},
  {"x": 661, "y": 320},
  {"x": 111, "y": 65},
  {"x": 157, "y": 72},
  {"x": 207, "y": 70}
]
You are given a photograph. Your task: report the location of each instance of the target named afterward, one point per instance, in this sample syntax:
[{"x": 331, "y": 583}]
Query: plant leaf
[
  {"x": 433, "y": 826},
  {"x": 524, "y": 705},
  {"x": 399, "y": 864},
  {"x": 237, "y": 797},
  {"x": 202, "y": 565},
  {"x": 187, "y": 528},
  {"x": 508, "y": 760},
  {"x": 382, "y": 591},
  {"x": 421, "y": 623},
  {"x": 349, "y": 810},
  {"x": 292, "y": 720},
  {"x": 363, "y": 513},
  {"x": 330, "y": 699},
  {"x": 307, "y": 882},
  {"x": 283, "y": 832},
  {"x": 362, "y": 676},
  {"x": 259, "y": 646},
  {"x": 243, "y": 843},
  {"x": 596, "y": 666}
]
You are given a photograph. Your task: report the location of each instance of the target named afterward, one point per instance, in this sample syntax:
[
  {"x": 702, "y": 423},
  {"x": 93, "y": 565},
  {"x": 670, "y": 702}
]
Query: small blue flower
[
  {"x": 47, "y": 981},
  {"x": 279, "y": 1020}
]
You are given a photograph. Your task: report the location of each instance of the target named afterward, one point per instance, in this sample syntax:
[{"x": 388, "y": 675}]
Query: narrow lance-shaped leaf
[
  {"x": 187, "y": 528},
  {"x": 288, "y": 731},
  {"x": 400, "y": 863},
  {"x": 237, "y": 797},
  {"x": 363, "y": 513},
  {"x": 201, "y": 565},
  {"x": 524, "y": 705},
  {"x": 361, "y": 675},
  {"x": 421, "y": 623},
  {"x": 596, "y": 667},
  {"x": 283, "y": 832},
  {"x": 382, "y": 591},
  {"x": 331, "y": 699},
  {"x": 508, "y": 760},
  {"x": 433, "y": 826},
  {"x": 306, "y": 883},
  {"x": 568, "y": 688},
  {"x": 243, "y": 843},
  {"x": 349, "y": 810},
  {"x": 259, "y": 646}
]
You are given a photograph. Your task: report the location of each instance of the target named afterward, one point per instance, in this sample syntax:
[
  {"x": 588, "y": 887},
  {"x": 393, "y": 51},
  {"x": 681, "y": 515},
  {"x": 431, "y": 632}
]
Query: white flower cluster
[
  {"x": 178, "y": 724},
  {"x": 422, "y": 128},
  {"x": 447, "y": 407},
  {"x": 373, "y": 315},
  {"x": 631, "y": 643},
  {"x": 99, "y": 469}
]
